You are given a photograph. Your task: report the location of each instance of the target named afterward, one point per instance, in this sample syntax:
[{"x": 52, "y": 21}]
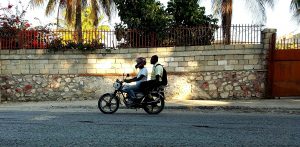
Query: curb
[
  {"x": 242, "y": 109},
  {"x": 238, "y": 109}
]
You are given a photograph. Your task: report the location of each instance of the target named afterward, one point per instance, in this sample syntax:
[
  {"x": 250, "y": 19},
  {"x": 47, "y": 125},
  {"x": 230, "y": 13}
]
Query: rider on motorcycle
[
  {"x": 152, "y": 102},
  {"x": 156, "y": 76},
  {"x": 141, "y": 77}
]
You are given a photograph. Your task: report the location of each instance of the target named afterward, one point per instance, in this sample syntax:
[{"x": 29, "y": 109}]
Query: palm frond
[
  {"x": 69, "y": 11},
  {"x": 295, "y": 5},
  {"x": 295, "y": 9},
  {"x": 106, "y": 6},
  {"x": 50, "y": 7},
  {"x": 36, "y": 3},
  {"x": 258, "y": 8},
  {"x": 84, "y": 3},
  {"x": 226, "y": 7},
  {"x": 217, "y": 7},
  {"x": 94, "y": 12},
  {"x": 226, "y": 11},
  {"x": 270, "y": 3},
  {"x": 62, "y": 3},
  {"x": 223, "y": 10}
]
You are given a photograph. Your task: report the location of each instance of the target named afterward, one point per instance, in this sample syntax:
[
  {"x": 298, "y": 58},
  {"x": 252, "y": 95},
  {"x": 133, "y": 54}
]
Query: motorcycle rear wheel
[
  {"x": 108, "y": 103},
  {"x": 156, "y": 105}
]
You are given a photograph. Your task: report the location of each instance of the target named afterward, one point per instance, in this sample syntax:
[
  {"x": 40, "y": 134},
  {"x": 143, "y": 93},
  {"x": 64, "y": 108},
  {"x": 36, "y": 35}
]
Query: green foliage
[
  {"x": 12, "y": 23},
  {"x": 157, "y": 25},
  {"x": 58, "y": 44},
  {"x": 147, "y": 15},
  {"x": 120, "y": 31},
  {"x": 188, "y": 13}
]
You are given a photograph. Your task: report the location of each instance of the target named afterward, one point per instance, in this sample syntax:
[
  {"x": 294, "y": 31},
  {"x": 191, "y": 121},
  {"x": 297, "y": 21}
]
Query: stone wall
[{"x": 196, "y": 72}]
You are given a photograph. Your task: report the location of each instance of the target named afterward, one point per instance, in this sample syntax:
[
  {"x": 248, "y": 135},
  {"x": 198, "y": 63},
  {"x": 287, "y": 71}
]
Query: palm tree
[
  {"x": 51, "y": 7},
  {"x": 295, "y": 8},
  {"x": 223, "y": 8},
  {"x": 74, "y": 7}
]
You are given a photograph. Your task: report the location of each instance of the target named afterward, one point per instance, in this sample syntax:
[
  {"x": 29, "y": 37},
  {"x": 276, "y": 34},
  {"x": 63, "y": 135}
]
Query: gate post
[{"x": 269, "y": 43}]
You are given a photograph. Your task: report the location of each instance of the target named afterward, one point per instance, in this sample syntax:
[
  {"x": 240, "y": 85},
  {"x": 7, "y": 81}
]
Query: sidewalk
[{"x": 264, "y": 105}]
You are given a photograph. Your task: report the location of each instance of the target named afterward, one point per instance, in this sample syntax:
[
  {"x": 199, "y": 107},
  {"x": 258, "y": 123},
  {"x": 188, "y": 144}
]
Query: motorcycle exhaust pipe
[{"x": 153, "y": 102}]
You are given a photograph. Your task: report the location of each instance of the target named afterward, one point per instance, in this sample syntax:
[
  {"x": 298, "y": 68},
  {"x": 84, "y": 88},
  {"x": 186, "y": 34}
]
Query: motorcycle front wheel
[
  {"x": 155, "y": 105},
  {"x": 108, "y": 103}
]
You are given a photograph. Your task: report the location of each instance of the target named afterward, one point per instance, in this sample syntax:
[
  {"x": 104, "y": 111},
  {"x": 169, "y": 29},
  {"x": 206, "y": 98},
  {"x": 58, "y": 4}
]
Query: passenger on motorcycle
[
  {"x": 156, "y": 76},
  {"x": 141, "y": 77}
]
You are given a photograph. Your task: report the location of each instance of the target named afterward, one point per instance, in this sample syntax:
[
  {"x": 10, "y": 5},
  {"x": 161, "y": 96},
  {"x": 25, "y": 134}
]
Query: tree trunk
[
  {"x": 78, "y": 25},
  {"x": 57, "y": 19},
  {"x": 226, "y": 20}
]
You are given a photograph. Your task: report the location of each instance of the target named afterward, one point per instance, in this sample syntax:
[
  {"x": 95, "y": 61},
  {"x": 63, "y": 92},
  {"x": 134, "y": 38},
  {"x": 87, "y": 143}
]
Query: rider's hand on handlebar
[{"x": 127, "y": 81}]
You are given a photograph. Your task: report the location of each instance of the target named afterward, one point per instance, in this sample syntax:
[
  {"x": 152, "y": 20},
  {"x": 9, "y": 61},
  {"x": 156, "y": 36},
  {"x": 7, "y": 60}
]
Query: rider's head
[
  {"x": 154, "y": 59},
  {"x": 140, "y": 62}
]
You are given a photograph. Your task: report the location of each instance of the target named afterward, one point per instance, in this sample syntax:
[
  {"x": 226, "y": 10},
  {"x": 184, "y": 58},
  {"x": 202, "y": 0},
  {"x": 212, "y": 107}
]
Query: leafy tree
[
  {"x": 188, "y": 13},
  {"x": 147, "y": 15},
  {"x": 13, "y": 24},
  {"x": 150, "y": 16},
  {"x": 10, "y": 20},
  {"x": 194, "y": 25},
  {"x": 146, "y": 18}
]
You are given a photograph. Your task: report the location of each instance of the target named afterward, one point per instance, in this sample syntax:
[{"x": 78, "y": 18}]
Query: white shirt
[
  {"x": 157, "y": 70},
  {"x": 144, "y": 72}
]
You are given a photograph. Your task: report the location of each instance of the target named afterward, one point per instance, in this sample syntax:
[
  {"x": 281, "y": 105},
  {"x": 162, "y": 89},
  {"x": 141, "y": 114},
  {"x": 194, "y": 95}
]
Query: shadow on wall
[
  {"x": 178, "y": 89},
  {"x": 180, "y": 86}
]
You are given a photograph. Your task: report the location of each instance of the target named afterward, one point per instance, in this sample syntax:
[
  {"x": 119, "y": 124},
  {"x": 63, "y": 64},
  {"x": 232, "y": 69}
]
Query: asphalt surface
[{"x": 89, "y": 127}]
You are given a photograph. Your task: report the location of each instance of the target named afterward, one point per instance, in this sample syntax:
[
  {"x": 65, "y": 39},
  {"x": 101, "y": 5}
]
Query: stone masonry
[{"x": 196, "y": 72}]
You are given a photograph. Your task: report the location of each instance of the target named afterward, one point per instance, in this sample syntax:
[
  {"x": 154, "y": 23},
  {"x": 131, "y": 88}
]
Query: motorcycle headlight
[{"x": 117, "y": 85}]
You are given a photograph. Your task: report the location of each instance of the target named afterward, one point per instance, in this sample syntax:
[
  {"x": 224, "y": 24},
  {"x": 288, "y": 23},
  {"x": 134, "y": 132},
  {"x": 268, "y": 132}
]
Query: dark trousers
[{"x": 147, "y": 86}]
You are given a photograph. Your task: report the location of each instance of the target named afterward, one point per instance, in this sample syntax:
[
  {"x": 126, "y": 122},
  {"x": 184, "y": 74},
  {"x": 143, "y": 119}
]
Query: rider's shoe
[
  {"x": 131, "y": 101},
  {"x": 150, "y": 96}
]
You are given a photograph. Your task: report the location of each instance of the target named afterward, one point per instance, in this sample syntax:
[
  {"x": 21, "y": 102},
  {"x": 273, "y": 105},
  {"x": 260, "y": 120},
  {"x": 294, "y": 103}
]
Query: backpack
[{"x": 164, "y": 77}]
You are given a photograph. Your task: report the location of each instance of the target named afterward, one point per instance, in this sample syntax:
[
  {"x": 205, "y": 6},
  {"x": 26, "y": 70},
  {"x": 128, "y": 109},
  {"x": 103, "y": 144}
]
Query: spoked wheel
[
  {"x": 108, "y": 103},
  {"x": 155, "y": 105}
]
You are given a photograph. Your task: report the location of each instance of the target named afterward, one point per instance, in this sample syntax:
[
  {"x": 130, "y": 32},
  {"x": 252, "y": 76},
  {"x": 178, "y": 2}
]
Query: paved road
[{"x": 66, "y": 127}]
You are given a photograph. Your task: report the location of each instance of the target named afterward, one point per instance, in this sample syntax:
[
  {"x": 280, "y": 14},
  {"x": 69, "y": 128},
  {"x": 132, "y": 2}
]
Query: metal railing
[
  {"x": 196, "y": 36},
  {"x": 239, "y": 34},
  {"x": 286, "y": 44}
]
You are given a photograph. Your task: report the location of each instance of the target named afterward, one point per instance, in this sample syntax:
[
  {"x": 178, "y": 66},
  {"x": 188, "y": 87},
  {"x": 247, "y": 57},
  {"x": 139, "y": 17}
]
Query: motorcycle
[{"x": 152, "y": 103}]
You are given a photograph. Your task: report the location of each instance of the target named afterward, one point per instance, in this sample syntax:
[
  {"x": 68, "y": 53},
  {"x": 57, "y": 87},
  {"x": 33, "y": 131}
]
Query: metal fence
[
  {"x": 286, "y": 44},
  {"x": 196, "y": 36}
]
